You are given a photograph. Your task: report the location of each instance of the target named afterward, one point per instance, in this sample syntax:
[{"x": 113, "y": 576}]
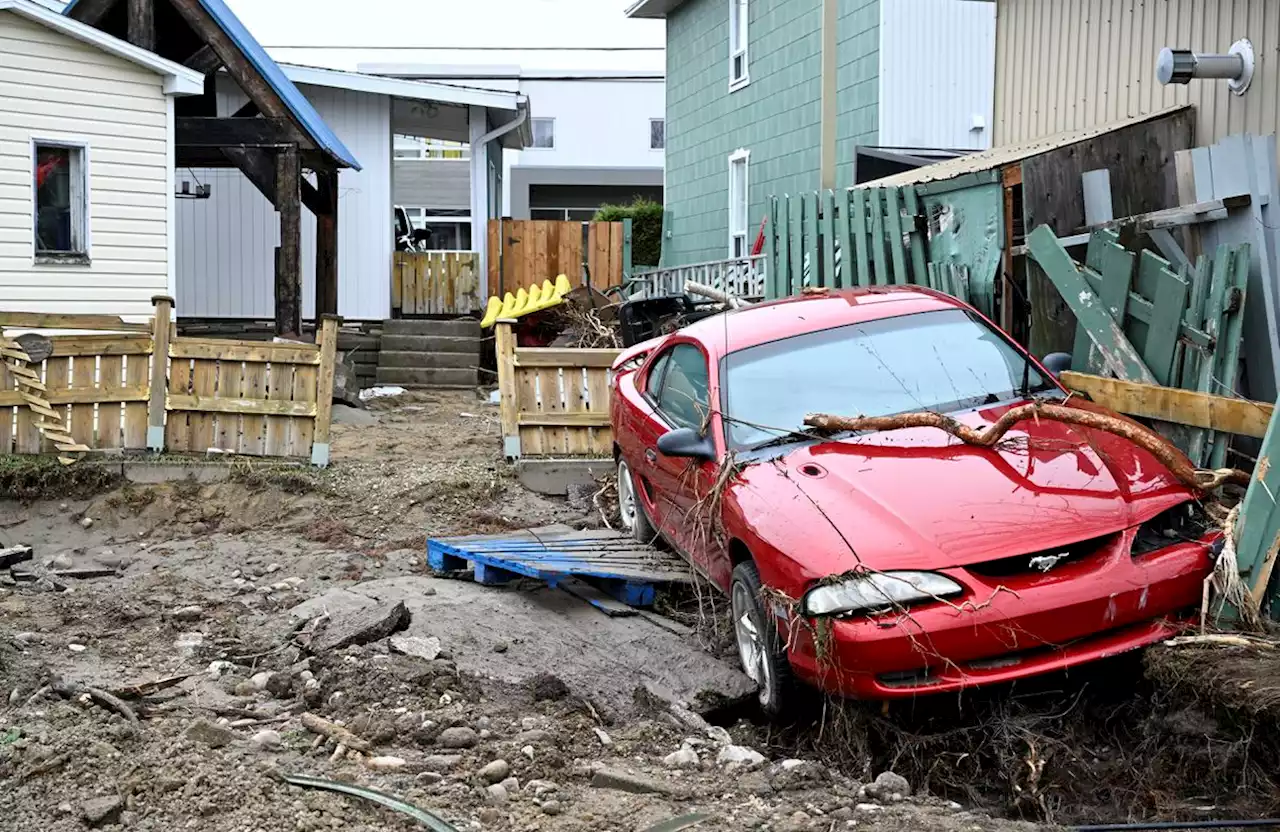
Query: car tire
[
  {"x": 635, "y": 520},
  {"x": 761, "y": 649}
]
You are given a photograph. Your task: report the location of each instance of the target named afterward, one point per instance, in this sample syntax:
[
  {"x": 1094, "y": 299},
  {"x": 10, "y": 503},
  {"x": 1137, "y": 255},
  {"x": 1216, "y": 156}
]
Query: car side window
[
  {"x": 683, "y": 397},
  {"x": 653, "y": 382}
]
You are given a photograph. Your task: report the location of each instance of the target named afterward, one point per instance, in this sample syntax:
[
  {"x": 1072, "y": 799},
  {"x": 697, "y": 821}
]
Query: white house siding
[
  {"x": 937, "y": 64},
  {"x": 55, "y": 87},
  {"x": 226, "y": 244}
]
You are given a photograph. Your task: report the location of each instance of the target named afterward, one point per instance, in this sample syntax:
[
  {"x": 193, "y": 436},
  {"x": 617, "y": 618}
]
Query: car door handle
[{"x": 650, "y": 455}]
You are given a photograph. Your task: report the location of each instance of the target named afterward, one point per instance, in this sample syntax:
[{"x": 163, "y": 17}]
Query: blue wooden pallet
[{"x": 627, "y": 570}]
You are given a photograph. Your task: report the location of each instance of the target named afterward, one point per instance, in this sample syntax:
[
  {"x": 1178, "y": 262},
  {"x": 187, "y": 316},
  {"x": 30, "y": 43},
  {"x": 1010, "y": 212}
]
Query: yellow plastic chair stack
[{"x": 535, "y": 299}]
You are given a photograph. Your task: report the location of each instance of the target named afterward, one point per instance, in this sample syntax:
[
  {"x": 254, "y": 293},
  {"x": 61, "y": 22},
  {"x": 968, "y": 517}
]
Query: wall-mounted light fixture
[{"x": 1180, "y": 66}]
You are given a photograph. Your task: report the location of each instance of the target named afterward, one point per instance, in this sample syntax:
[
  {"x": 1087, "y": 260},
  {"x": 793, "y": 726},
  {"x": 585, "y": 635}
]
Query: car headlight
[{"x": 877, "y": 590}]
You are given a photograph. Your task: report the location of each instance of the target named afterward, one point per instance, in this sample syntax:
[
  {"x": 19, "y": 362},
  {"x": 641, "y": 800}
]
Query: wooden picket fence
[
  {"x": 526, "y": 252},
  {"x": 435, "y": 283},
  {"x": 211, "y": 394},
  {"x": 554, "y": 402}
]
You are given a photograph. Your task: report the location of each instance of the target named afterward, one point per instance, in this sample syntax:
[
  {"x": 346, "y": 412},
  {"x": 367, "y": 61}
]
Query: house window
[
  {"x": 657, "y": 134},
  {"x": 60, "y": 184},
  {"x": 738, "y": 76},
  {"x": 739, "y": 203},
  {"x": 544, "y": 133}
]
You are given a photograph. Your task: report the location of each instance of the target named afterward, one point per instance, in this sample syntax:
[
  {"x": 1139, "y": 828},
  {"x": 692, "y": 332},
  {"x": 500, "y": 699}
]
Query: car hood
[{"x": 919, "y": 498}]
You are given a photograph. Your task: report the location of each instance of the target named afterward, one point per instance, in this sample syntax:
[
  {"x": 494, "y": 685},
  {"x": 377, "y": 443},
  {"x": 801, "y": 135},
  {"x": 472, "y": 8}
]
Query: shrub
[{"x": 646, "y": 228}]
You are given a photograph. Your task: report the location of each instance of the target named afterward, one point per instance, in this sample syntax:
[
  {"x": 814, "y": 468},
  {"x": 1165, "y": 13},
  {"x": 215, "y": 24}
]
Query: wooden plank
[
  {"x": 828, "y": 239},
  {"x": 177, "y": 432},
  {"x": 397, "y": 282},
  {"x": 797, "y": 244},
  {"x": 204, "y": 378},
  {"x": 780, "y": 268},
  {"x": 1169, "y": 304},
  {"x": 278, "y": 411},
  {"x": 598, "y": 402},
  {"x": 1194, "y": 316},
  {"x": 1113, "y": 265},
  {"x": 26, "y": 436},
  {"x": 505, "y": 351},
  {"x": 542, "y": 266},
  {"x": 600, "y": 273},
  {"x": 568, "y": 254},
  {"x": 303, "y": 429},
  {"x": 1118, "y": 354},
  {"x": 6, "y": 411},
  {"x": 893, "y": 228},
  {"x": 323, "y": 383},
  {"x": 1171, "y": 404},
  {"x": 564, "y": 357},
  {"x": 1230, "y": 345},
  {"x": 253, "y": 429},
  {"x": 861, "y": 235},
  {"x": 57, "y": 378},
  {"x": 37, "y": 320},
  {"x": 918, "y": 274},
  {"x": 230, "y": 386},
  {"x": 562, "y": 418},
  {"x": 527, "y": 399},
  {"x": 77, "y": 345},
  {"x": 495, "y": 286},
  {"x": 844, "y": 236},
  {"x": 249, "y": 351},
  {"x": 813, "y": 241},
  {"x": 84, "y": 376},
  {"x": 617, "y": 250},
  {"x": 875, "y": 199},
  {"x": 137, "y": 374},
  {"x": 157, "y": 413},
  {"x": 576, "y": 404},
  {"x": 279, "y": 403}
]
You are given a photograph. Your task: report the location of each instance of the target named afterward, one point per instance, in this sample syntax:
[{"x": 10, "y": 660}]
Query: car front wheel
[
  {"x": 635, "y": 520},
  {"x": 761, "y": 648}
]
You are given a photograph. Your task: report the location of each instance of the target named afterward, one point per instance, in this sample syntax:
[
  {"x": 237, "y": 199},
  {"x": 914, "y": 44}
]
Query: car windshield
[{"x": 941, "y": 361}]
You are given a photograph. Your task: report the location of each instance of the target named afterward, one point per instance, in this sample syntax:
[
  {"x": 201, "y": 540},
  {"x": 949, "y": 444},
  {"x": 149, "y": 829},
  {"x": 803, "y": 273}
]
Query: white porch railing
[{"x": 744, "y": 277}]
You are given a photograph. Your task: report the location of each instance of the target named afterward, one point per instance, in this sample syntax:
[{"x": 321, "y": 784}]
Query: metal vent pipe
[{"x": 1180, "y": 66}]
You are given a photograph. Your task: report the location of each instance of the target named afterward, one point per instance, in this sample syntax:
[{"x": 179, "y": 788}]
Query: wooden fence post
[
  {"x": 505, "y": 347},
  {"x": 327, "y": 340},
  {"x": 160, "y": 332},
  {"x": 626, "y": 251}
]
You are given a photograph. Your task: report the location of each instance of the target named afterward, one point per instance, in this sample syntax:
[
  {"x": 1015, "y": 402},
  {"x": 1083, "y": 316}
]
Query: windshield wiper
[{"x": 785, "y": 439}]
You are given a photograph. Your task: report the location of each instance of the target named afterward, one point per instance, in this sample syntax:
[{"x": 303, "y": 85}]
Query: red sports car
[{"x": 896, "y": 563}]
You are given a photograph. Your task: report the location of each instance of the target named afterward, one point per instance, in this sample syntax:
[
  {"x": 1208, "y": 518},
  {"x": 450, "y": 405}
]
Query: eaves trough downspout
[{"x": 522, "y": 116}]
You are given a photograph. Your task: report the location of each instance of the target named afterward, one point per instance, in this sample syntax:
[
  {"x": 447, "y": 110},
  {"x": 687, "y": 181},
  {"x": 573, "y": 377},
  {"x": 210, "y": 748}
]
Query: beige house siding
[
  {"x": 55, "y": 87},
  {"x": 1068, "y": 64}
]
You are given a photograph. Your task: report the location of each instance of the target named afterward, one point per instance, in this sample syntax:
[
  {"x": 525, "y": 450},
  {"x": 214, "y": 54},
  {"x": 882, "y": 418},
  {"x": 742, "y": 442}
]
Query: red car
[{"x": 896, "y": 563}]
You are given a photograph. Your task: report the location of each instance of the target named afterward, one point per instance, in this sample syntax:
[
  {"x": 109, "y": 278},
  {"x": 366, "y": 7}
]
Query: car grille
[{"x": 1035, "y": 563}]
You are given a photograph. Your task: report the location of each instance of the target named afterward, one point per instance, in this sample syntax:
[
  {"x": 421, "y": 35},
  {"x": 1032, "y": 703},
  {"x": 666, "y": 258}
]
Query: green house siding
[{"x": 776, "y": 116}]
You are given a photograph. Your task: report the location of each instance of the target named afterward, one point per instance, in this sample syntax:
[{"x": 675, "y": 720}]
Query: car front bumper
[{"x": 1003, "y": 630}]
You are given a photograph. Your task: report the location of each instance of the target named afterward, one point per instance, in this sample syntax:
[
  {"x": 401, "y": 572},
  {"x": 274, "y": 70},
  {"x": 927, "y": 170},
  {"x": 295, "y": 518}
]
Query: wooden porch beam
[
  {"x": 203, "y": 60},
  {"x": 141, "y": 31},
  {"x": 326, "y": 243},
  {"x": 91, "y": 11},
  {"x": 197, "y": 131},
  {"x": 288, "y": 179}
]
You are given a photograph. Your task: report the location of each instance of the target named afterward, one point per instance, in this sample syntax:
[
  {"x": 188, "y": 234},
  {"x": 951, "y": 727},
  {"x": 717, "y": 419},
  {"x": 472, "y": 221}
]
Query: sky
[{"x": 534, "y": 34}]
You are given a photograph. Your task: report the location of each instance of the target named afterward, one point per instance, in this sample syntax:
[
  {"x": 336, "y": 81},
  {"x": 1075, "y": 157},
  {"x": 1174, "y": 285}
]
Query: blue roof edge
[{"x": 320, "y": 132}]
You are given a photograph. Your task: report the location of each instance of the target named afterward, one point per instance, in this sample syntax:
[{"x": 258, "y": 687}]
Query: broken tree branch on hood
[{"x": 987, "y": 437}]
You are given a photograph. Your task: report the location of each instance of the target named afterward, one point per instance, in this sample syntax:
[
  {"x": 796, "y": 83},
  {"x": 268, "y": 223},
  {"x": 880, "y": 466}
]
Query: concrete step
[
  {"x": 461, "y": 327},
  {"x": 446, "y": 377},
  {"x": 431, "y": 343},
  {"x": 427, "y": 360}
]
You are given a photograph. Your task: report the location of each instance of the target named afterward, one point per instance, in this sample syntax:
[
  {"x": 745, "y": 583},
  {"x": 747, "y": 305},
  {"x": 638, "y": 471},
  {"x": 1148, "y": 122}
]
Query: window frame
[
  {"x": 666, "y": 357},
  {"x": 663, "y": 122},
  {"x": 743, "y": 157},
  {"x": 739, "y": 42},
  {"x": 80, "y": 203},
  {"x": 533, "y": 133}
]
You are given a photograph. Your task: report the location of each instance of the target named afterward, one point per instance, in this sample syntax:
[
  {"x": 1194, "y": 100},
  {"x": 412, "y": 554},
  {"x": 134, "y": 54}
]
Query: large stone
[
  {"x": 207, "y": 733},
  {"x": 887, "y": 784},
  {"x": 461, "y": 737},
  {"x": 421, "y": 647},
  {"x": 739, "y": 756},
  {"x": 683, "y": 758},
  {"x": 609, "y": 778},
  {"x": 362, "y": 626},
  {"x": 496, "y": 772},
  {"x": 440, "y": 762},
  {"x": 102, "y": 810}
]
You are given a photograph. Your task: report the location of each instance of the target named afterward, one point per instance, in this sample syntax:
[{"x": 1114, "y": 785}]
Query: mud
[{"x": 226, "y": 591}]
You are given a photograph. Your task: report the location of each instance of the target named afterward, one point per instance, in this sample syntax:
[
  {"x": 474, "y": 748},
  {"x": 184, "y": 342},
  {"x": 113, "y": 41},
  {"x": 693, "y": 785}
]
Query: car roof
[{"x": 764, "y": 322}]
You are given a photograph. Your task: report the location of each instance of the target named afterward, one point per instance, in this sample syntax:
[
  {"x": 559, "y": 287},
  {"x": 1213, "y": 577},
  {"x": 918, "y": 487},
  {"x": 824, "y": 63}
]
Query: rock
[
  {"x": 511, "y": 784},
  {"x": 535, "y": 737},
  {"x": 441, "y": 762},
  {"x": 207, "y": 733},
  {"x": 273, "y": 568},
  {"x": 60, "y": 561},
  {"x": 86, "y": 523},
  {"x": 888, "y": 784},
  {"x": 188, "y": 643},
  {"x": 430, "y": 778},
  {"x": 867, "y": 807},
  {"x": 219, "y": 668},
  {"x": 267, "y": 740},
  {"x": 199, "y": 528},
  {"x": 796, "y": 823},
  {"x": 26, "y": 638},
  {"x": 361, "y": 626},
  {"x": 497, "y": 794},
  {"x": 384, "y": 763},
  {"x": 489, "y": 816},
  {"x": 460, "y": 737},
  {"x": 496, "y": 771},
  {"x": 528, "y": 723},
  {"x": 77, "y": 648},
  {"x": 423, "y": 648},
  {"x": 541, "y": 787},
  {"x": 102, "y": 810},
  {"x": 843, "y": 813},
  {"x": 797, "y": 774},
  {"x": 103, "y": 750},
  {"x": 111, "y": 560},
  {"x": 551, "y": 807},
  {"x": 953, "y": 806},
  {"x": 739, "y": 756},
  {"x": 684, "y": 758},
  {"x": 259, "y": 681},
  {"x": 609, "y": 778},
  {"x": 501, "y": 647},
  {"x": 604, "y": 738},
  {"x": 525, "y": 750}
]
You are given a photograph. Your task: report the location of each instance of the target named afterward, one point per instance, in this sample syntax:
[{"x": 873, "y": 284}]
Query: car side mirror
[
  {"x": 686, "y": 442},
  {"x": 1057, "y": 362}
]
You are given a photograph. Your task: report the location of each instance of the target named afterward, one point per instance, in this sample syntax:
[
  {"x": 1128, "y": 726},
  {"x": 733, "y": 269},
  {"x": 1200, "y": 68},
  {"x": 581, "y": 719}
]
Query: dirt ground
[{"x": 225, "y": 612}]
